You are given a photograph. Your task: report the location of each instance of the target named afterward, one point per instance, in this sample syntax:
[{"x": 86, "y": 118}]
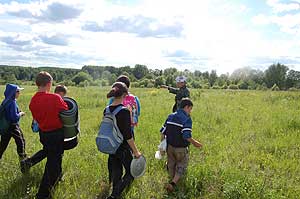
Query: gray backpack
[{"x": 109, "y": 137}]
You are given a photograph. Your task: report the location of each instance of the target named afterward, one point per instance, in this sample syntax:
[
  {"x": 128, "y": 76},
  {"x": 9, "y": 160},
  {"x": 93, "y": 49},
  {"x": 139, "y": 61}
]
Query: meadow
[{"x": 251, "y": 147}]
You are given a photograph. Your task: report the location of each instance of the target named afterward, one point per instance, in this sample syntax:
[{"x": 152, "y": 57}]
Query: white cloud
[{"x": 206, "y": 34}]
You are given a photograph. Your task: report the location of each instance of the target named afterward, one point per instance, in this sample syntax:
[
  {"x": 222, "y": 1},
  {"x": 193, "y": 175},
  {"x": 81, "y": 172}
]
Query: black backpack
[{"x": 4, "y": 123}]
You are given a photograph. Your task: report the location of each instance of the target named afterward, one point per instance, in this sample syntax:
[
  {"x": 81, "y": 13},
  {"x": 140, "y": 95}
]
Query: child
[
  {"x": 61, "y": 90},
  {"x": 123, "y": 156},
  {"x": 181, "y": 92},
  {"x": 13, "y": 115},
  {"x": 131, "y": 102},
  {"x": 178, "y": 132},
  {"x": 40, "y": 155},
  {"x": 45, "y": 108}
]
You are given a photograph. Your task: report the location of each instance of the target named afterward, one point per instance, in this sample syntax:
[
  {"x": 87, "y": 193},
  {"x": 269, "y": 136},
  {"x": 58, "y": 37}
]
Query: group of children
[{"x": 46, "y": 106}]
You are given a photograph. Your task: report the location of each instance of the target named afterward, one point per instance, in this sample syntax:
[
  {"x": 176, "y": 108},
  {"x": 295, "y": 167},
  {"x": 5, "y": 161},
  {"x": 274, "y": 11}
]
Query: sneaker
[
  {"x": 25, "y": 165},
  {"x": 170, "y": 187}
]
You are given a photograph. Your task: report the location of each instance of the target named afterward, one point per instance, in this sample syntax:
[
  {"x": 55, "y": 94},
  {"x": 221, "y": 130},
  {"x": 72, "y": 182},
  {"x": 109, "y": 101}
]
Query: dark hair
[
  {"x": 124, "y": 79},
  {"x": 185, "y": 102},
  {"x": 118, "y": 89},
  {"x": 43, "y": 78},
  {"x": 60, "y": 88}
]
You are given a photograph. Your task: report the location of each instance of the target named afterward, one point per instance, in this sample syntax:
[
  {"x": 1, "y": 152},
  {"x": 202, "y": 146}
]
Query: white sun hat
[
  {"x": 180, "y": 79},
  {"x": 138, "y": 166}
]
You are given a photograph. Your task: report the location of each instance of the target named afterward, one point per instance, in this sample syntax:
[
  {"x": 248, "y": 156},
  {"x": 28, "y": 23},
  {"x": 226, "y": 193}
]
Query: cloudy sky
[{"x": 191, "y": 34}]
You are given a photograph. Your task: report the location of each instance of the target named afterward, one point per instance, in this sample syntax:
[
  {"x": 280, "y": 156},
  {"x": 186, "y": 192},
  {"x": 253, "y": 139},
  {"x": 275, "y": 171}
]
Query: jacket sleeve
[
  {"x": 13, "y": 110},
  {"x": 61, "y": 104},
  {"x": 138, "y": 105},
  {"x": 173, "y": 90},
  {"x": 164, "y": 127},
  {"x": 187, "y": 129}
]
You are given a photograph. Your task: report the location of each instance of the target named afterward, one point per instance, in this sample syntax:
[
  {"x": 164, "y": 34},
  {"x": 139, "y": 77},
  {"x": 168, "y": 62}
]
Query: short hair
[
  {"x": 185, "y": 102},
  {"x": 124, "y": 79},
  {"x": 60, "y": 88},
  {"x": 43, "y": 78},
  {"x": 118, "y": 89}
]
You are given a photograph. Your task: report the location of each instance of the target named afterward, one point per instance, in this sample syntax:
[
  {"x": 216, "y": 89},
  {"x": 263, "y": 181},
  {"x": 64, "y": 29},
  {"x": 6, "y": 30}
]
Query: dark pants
[
  {"x": 116, "y": 163},
  {"x": 53, "y": 148},
  {"x": 15, "y": 132}
]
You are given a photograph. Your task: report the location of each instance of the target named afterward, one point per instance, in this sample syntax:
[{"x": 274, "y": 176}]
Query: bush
[
  {"x": 275, "y": 88},
  {"x": 206, "y": 86},
  {"x": 233, "y": 87},
  {"x": 150, "y": 85},
  {"x": 243, "y": 85},
  {"x": 216, "y": 87},
  {"x": 293, "y": 89},
  {"x": 196, "y": 84},
  {"x": 224, "y": 86}
]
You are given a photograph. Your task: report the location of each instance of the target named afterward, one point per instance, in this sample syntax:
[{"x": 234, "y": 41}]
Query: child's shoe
[{"x": 171, "y": 187}]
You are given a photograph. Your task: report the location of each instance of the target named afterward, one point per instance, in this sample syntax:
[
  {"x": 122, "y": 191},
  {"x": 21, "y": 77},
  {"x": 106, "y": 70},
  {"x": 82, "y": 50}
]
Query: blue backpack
[
  {"x": 4, "y": 123},
  {"x": 109, "y": 137}
]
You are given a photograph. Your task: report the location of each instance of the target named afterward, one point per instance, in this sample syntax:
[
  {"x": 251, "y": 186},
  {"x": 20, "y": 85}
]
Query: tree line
[{"x": 275, "y": 77}]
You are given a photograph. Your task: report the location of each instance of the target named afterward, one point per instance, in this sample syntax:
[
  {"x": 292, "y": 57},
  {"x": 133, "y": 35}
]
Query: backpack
[
  {"x": 4, "y": 123},
  {"x": 131, "y": 103},
  {"x": 109, "y": 137}
]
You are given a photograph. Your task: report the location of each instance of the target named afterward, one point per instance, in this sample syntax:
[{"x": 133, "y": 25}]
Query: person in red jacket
[{"x": 45, "y": 108}]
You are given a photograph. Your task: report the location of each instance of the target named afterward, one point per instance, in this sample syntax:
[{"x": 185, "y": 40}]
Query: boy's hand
[
  {"x": 164, "y": 86},
  {"x": 197, "y": 145},
  {"x": 22, "y": 113}
]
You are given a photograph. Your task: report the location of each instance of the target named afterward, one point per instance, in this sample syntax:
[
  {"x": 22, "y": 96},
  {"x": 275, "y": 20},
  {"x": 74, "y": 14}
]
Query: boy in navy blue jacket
[
  {"x": 13, "y": 116},
  {"x": 178, "y": 132}
]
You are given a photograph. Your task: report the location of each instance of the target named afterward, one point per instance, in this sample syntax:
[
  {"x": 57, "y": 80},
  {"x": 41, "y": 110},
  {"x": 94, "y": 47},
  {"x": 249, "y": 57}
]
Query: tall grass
[{"x": 251, "y": 147}]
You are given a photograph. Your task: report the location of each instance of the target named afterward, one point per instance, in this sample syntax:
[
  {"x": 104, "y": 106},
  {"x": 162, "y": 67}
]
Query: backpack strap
[
  {"x": 107, "y": 110},
  {"x": 118, "y": 109}
]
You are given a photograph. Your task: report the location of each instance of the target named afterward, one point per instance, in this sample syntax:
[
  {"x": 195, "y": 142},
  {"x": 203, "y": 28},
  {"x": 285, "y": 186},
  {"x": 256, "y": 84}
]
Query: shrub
[
  {"x": 224, "y": 86},
  {"x": 293, "y": 89},
  {"x": 233, "y": 87}
]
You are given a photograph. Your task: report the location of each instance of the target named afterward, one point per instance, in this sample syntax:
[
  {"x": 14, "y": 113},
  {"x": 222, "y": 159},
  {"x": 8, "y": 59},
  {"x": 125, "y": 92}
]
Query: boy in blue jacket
[
  {"x": 13, "y": 115},
  {"x": 178, "y": 132}
]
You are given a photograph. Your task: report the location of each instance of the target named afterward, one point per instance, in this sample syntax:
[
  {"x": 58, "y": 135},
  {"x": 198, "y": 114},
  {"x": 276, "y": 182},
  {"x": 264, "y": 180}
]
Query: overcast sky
[{"x": 186, "y": 34}]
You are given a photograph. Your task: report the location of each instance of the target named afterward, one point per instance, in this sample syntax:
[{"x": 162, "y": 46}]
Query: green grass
[{"x": 251, "y": 147}]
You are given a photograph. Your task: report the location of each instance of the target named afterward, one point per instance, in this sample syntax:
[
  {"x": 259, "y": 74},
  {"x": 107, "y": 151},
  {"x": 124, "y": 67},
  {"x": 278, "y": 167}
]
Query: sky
[{"x": 196, "y": 35}]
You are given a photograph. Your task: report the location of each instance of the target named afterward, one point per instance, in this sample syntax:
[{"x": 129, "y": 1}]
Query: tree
[
  {"x": 212, "y": 77},
  {"x": 81, "y": 77},
  {"x": 140, "y": 71},
  {"x": 276, "y": 74},
  {"x": 293, "y": 79}
]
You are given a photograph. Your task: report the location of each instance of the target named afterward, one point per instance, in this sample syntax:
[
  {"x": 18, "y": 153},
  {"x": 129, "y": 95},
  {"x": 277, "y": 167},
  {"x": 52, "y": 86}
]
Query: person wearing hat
[
  {"x": 13, "y": 115},
  {"x": 181, "y": 91}
]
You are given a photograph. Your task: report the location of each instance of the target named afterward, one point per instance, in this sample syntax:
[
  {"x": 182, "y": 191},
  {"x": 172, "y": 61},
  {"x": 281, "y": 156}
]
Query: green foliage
[
  {"x": 81, "y": 77},
  {"x": 233, "y": 87},
  {"x": 276, "y": 74},
  {"x": 244, "y": 78},
  {"x": 243, "y": 85}
]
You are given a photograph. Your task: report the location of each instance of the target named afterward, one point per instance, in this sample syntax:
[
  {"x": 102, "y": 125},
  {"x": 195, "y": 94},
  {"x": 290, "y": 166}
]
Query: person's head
[
  {"x": 61, "y": 90},
  {"x": 12, "y": 91},
  {"x": 119, "y": 90},
  {"x": 124, "y": 79},
  {"x": 44, "y": 80},
  {"x": 187, "y": 105},
  {"x": 180, "y": 81}
]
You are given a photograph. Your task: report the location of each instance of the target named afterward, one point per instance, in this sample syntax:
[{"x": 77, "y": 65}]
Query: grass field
[{"x": 251, "y": 147}]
